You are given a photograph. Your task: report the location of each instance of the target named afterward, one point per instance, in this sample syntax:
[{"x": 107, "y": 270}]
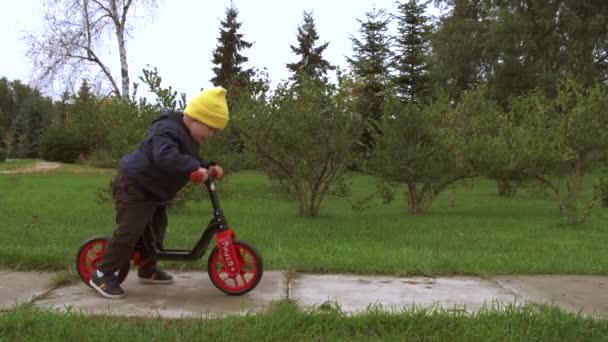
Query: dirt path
[{"x": 38, "y": 167}]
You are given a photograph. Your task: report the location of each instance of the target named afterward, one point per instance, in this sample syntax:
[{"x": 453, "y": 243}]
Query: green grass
[
  {"x": 45, "y": 217},
  {"x": 288, "y": 323}
]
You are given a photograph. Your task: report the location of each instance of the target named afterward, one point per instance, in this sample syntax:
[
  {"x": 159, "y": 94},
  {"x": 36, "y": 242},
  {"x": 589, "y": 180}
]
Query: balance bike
[{"x": 235, "y": 267}]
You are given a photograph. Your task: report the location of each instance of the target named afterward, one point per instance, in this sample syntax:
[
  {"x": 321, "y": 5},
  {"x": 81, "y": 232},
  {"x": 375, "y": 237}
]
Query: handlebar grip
[
  {"x": 196, "y": 177},
  {"x": 215, "y": 173}
]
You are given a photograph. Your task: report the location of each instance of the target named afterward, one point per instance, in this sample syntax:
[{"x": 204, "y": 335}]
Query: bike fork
[{"x": 228, "y": 255}]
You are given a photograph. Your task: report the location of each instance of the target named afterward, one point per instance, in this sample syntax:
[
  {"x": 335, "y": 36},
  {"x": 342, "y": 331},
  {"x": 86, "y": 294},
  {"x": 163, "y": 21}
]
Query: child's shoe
[
  {"x": 154, "y": 275},
  {"x": 107, "y": 286}
]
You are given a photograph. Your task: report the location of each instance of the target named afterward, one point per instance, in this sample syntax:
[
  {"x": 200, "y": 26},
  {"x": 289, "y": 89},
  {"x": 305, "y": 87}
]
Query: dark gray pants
[{"x": 136, "y": 211}]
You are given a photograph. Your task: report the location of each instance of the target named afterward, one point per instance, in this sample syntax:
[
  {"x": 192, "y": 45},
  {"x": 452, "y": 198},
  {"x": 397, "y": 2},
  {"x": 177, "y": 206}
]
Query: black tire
[
  {"x": 257, "y": 274},
  {"x": 123, "y": 272}
]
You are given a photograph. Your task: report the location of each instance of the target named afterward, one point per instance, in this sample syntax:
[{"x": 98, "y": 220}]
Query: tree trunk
[
  {"x": 574, "y": 185},
  {"x": 414, "y": 199},
  {"x": 312, "y": 206},
  {"x": 124, "y": 67},
  {"x": 119, "y": 23},
  {"x": 506, "y": 188},
  {"x": 91, "y": 55},
  {"x": 302, "y": 198}
]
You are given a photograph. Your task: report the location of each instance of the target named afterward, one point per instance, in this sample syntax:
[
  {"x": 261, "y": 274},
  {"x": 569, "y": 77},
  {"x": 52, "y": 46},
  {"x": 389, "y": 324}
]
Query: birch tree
[{"x": 72, "y": 42}]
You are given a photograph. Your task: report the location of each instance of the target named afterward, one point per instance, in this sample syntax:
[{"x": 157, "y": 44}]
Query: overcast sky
[{"x": 179, "y": 36}]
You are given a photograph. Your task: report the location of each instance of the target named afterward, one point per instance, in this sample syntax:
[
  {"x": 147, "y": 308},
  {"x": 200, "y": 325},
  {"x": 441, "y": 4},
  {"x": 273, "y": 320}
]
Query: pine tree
[
  {"x": 460, "y": 47},
  {"x": 311, "y": 65},
  {"x": 7, "y": 104},
  {"x": 539, "y": 44},
  {"x": 20, "y": 92},
  {"x": 227, "y": 55},
  {"x": 28, "y": 117},
  {"x": 29, "y": 127},
  {"x": 84, "y": 104},
  {"x": 370, "y": 64},
  {"x": 84, "y": 93},
  {"x": 412, "y": 61},
  {"x": 62, "y": 106},
  {"x": 2, "y": 139}
]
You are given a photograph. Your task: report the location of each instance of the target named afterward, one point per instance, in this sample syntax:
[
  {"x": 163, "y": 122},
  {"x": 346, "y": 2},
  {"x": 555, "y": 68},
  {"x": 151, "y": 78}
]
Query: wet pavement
[
  {"x": 193, "y": 294},
  {"x": 357, "y": 293},
  {"x": 588, "y": 294},
  {"x": 21, "y": 287}
]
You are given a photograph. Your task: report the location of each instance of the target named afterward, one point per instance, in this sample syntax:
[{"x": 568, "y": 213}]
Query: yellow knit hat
[{"x": 209, "y": 107}]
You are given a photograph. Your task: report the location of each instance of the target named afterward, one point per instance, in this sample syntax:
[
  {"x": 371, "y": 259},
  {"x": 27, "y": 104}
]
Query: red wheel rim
[
  {"x": 90, "y": 256},
  {"x": 249, "y": 270}
]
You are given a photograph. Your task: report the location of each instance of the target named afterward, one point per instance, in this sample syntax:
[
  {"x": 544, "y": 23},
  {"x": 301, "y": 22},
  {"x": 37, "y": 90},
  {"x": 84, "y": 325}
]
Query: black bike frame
[{"x": 216, "y": 225}]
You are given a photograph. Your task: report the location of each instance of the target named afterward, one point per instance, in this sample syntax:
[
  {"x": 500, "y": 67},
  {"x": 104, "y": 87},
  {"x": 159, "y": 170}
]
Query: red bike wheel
[
  {"x": 251, "y": 265},
  {"x": 89, "y": 254}
]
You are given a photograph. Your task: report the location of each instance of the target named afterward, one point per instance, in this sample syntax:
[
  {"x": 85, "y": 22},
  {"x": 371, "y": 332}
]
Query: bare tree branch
[
  {"x": 125, "y": 9},
  {"x": 70, "y": 45},
  {"x": 109, "y": 13}
]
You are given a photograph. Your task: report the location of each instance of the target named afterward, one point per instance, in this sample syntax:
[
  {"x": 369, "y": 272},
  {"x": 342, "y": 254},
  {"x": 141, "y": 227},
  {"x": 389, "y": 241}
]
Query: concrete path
[
  {"x": 588, "y": 294},
  {"x": 21, "y": 287},
  {"x": 193, "y": 295}
]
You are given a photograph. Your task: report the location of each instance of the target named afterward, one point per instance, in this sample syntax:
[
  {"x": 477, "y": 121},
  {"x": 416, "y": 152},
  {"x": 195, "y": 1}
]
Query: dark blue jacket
[{"x": 164, "y": 160}]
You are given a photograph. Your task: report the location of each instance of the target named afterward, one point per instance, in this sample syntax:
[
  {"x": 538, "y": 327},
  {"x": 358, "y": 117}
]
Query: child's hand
[
  {"x": 217, "y": 172},
  {"x": 200, "y": 175}
]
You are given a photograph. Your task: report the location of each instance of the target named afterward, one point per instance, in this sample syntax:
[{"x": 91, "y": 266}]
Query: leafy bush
[
  {"x": 123, "y": 124},
  {"x": 60, "y": 144},
  {"x": 420, "y": 148},
  {"x": 304, "y": 138},
  {"x": 601, "y": 191}
]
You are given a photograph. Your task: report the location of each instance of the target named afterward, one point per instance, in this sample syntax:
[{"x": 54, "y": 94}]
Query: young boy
[{"x": 151, "y": 176}]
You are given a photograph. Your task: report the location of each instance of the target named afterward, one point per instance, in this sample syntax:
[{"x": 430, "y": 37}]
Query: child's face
[{"x": 201, "y": 132}]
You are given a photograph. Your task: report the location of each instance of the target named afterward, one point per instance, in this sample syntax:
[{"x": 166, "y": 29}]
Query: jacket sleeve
[{"x": 167, "y": 155}]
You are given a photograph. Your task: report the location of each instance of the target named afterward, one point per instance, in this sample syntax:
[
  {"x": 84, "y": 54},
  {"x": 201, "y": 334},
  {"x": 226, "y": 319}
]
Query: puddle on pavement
[
  {"x": 357, "y": 293},
  {"x": 193, "y": 294}
]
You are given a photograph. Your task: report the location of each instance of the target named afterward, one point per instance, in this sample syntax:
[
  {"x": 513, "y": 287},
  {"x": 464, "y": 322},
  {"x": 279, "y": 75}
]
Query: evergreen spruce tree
[
  {"x": 227, "y": 55},
  {"x": 311, "y": 65},
  {"x": 370, "y": 65},
  {"x": 7, "y": 104},
  {"x": 29, "y": 127},
  {"x": 412, "y": 60}
]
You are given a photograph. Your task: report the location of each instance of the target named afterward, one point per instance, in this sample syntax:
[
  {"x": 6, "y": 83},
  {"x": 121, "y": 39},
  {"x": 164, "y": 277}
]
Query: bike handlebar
[{"x": 197, "y": 177}]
